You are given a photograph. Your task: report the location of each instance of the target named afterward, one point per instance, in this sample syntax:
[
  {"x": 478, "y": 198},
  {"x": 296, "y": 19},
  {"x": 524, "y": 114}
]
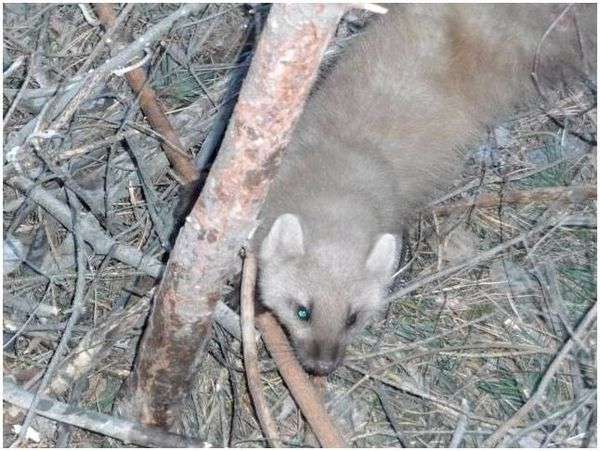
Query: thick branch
[{"x": 206, "y": 252}]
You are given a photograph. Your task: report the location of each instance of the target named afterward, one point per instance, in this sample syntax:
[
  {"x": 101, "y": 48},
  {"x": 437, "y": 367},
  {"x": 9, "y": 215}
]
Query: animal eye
[
  {"x": 303, "y": 313},
  {"x": 352, "y": 319}
]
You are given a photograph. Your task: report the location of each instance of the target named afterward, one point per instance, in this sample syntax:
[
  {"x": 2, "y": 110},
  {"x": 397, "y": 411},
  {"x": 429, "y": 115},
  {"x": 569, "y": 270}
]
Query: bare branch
[
  {"x": 127, "y": 431},
  {"x": 251, "y": 354},
  {"x": 206, "y": 252},
  {"x": 149, "y": 103},
  {"x": 298, "y": 383},
  {"x": 557, "y": 193}
]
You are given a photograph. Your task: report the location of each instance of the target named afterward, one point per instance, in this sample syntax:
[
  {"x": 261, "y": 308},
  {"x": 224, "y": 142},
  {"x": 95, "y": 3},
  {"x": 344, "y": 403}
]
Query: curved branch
[{"x": 251, "y": 355}]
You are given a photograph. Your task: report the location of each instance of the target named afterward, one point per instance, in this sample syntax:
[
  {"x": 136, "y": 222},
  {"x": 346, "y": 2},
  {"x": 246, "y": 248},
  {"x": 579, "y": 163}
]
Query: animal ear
[
  {"x": 285, "y": 239},
  {"x": 383, "y": 257}
]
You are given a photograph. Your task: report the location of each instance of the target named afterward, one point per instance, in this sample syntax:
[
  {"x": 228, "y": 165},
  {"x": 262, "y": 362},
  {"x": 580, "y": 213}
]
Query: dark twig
[{"x": 387, "y": 407}]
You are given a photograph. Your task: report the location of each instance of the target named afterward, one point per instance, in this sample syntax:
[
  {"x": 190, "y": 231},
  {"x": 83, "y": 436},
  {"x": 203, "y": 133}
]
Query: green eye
[{"x": 303, "y": 313}]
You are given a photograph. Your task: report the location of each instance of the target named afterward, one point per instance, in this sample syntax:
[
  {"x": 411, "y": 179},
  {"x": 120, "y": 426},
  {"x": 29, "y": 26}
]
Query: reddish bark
[
  {"x": 305, "y": 394},
  {"x": 206, "y": 251},
  {"x": 150, "y": 105}
]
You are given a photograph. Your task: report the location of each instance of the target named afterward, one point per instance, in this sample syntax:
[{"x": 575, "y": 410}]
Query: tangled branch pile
[{"x": 489, "y": 309}]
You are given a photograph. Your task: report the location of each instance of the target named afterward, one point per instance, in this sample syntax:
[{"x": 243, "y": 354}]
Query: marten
[{"x": 378, "y": 139}]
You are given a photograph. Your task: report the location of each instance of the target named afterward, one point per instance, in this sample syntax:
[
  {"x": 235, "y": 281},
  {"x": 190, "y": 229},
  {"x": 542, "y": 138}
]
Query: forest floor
[{"x": 487, "y": 299}]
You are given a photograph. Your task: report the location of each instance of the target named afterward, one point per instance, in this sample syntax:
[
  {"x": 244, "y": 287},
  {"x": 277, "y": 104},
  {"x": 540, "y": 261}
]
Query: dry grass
[{"x": 453, "y": 359}]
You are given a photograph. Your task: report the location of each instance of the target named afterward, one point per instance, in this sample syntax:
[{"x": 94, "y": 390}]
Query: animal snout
[
  {"x": 322, "y": 367},
  {"x": 320, "y": 357}
]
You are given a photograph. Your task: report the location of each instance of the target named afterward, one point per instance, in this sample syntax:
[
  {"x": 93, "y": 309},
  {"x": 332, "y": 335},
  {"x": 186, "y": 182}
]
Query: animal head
[{"x": 323, "y": 293}]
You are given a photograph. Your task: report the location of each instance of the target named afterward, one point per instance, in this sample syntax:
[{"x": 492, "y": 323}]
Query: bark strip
[{"x": 224, "y": 216}]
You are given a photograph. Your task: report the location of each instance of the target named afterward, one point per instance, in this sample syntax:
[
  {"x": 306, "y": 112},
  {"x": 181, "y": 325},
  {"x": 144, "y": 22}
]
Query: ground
[{"x": 469, "y": 334}]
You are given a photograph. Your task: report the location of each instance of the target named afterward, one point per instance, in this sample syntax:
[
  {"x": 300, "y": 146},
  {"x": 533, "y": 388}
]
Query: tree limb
[
  {"x": 251, "y": 355},
  {"x": 206, "y": 251}
]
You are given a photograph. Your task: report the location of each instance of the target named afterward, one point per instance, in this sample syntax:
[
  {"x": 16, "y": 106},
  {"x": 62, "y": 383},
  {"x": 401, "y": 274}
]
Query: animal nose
[{"x": 322, "y": 368}]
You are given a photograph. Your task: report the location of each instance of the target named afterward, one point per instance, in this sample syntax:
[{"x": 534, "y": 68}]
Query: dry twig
[
  {"x": 489, "y": 200},
  {"x": 501, "y": 433},
  {"x": 127, "y": 431},
  {"x": 298, "y": 383},
  {"x": 251, "y": 355},
  {"x": 205, "y": 253}
]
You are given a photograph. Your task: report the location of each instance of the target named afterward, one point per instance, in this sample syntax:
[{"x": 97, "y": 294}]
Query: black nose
[{"x": 321, "y": 368}]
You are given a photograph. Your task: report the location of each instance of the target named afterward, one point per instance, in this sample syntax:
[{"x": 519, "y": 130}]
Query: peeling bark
[{"x": 224, "y": 216}]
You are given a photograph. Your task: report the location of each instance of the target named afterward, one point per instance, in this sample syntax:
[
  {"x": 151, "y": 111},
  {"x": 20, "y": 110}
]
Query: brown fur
[{"x": 377, "y": 140}]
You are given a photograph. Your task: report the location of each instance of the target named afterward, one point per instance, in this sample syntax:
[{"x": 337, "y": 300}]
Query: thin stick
[
  {"x": 127, "y": 431},
  {"x": 19, "y": 96},
  {"x": 490, "y": 200},
  {"x": 172, "y": 146},
  {"x": 298, "y": 382},
  {"x": 78, "y": 310},
  {"x": 501, "y": 433},
  {"x": 251, "y": 355}
]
